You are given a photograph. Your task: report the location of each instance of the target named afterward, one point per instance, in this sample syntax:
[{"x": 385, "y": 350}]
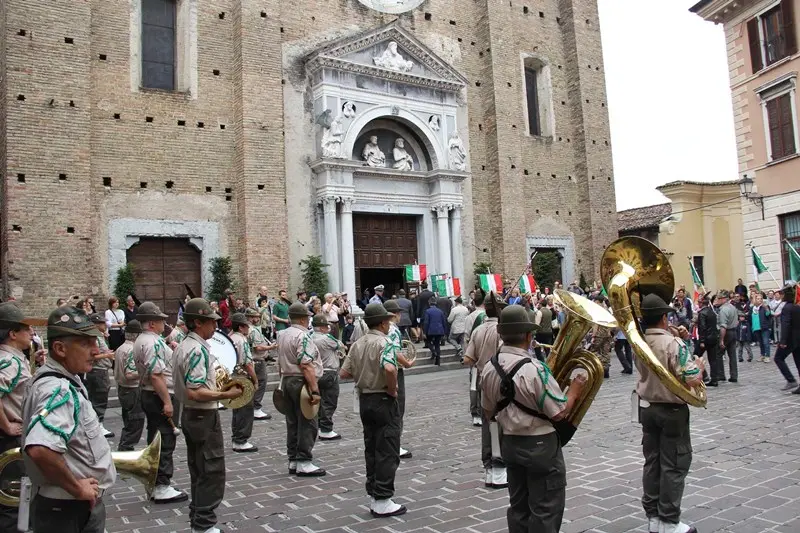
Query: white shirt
[{"x": 114, "y": 317}]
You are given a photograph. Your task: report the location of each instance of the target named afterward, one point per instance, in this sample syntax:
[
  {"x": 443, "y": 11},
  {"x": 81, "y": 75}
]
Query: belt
[
  {"x": 57, "y": 493},
  {"x": 645, "y": 404}
]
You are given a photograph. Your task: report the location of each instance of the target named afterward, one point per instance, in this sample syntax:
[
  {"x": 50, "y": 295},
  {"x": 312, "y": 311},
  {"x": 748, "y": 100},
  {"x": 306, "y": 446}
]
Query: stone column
[
  {"x": 443, "y": 244},
  {"x": 455, "y": 242},
  {"x": 330, "y": 251},
  {"x": 348, "y": 253}
]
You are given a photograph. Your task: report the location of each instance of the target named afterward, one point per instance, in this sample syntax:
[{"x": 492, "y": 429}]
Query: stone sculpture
[
  {"x": 402, "y": 159},
  {"x": 372, "y": 153},
  {"x": 458, "y": 155},
  {"x": 392, "y": 59},
  {"x": 349, "y": 110},
  {"x": 332, "y": 139},
  {"x": 434, "y": 123}
]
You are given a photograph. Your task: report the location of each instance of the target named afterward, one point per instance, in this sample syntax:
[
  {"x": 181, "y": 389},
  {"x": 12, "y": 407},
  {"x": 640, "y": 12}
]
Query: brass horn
[
  {"x": 567, "y": 354},
  {"x": 141, "y": 465},
  {"x": 631, "y": 268}
]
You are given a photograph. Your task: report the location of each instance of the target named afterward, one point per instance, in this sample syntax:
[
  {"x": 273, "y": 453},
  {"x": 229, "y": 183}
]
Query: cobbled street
[{"x": 744, "y": 477}]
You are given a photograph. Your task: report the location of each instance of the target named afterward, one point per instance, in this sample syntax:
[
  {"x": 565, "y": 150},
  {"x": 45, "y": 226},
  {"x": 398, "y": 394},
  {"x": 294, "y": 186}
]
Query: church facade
[{"x": 375, "y": 133}]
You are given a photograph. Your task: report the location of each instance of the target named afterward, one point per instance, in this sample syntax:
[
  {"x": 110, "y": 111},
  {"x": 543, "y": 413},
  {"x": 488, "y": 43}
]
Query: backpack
[{"x": 564, "y": 429}]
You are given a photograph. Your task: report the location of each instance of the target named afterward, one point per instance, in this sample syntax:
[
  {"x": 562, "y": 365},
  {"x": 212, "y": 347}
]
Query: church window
[
  {"x": 532, "y": 98},
  {"x": 537, "y": 101},
  {"x": 158, "y": 43}
]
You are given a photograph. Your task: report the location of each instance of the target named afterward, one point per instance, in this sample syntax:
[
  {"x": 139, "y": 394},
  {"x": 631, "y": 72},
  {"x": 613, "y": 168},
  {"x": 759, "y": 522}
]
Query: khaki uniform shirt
[
  {"x": 153, "y": 356},
  {"x": 176, "y": 335},
  {"x": 675, "y": 356},
  {"x": 125, "y": 365},
  {"x": 295, "y": 346},
  {"x": 194, "y": 368},
  {"x": 243, "y": 354},
  {"x": 535, "y": 387},
  {"x": 103, "y": 363},
  {"x": 14, "y": 376},
  {"x": 471, "y": 320},
  {"x": 57, "y": 414},
  {"x": 256, "y": 338},
  {"x": 367, "y": 359},
  {"x": 484, "y": 343},
  {"x": 327, "y": 346}
]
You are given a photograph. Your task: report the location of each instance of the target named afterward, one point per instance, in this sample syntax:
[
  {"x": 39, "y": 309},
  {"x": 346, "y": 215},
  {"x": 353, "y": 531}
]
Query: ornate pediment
[{"x": 389, "y": 52}]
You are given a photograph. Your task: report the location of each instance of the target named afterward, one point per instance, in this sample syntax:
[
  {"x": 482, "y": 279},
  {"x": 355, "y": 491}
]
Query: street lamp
[{"x": 746, "y": 190}]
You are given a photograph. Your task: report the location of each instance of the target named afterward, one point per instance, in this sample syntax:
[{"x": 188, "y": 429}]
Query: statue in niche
[
  {"x": 458, "y": 155},
  {"x": 392, "y": 59},
  {"x": 349, "y": 110},
  {"x": 402, "y": 159},
  {"x": 434, "y": 123},
  {"x": 332, "y": 139},
  {"x": 372, "y": 153}
]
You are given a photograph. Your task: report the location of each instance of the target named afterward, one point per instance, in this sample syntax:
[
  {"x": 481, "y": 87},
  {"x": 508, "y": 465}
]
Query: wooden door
[
  {"x": 384, "y": 241},
  {"x": 161, "y": 267}
]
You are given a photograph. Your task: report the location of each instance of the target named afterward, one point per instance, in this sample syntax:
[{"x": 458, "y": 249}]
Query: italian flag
[
  {"x": 491, "y": 282},
  {"x": 448, "y": 287},
  {"x": 698, "y": 283},
  {"x": 416, "y": 272},
  {"x": 527, "y": 284},
  {"x": 758, "y": 266}
]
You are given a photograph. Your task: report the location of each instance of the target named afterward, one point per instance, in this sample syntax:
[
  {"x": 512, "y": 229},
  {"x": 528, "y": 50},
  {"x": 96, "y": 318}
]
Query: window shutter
[
  {"x": 774, "y": 119},
  {"x": 533, "y": 102},
  {"x": 787, "y": 124},
  {"x": 789, "y": 32},
  {"x": 755, "y": 45}
]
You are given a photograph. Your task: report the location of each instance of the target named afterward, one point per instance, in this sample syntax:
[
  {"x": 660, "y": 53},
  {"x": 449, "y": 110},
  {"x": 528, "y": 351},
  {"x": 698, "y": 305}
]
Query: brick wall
[{"x": 144, "y": 154}]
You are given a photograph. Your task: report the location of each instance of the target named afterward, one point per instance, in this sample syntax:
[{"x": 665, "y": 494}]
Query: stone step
[{"x": 448, "y": 361}]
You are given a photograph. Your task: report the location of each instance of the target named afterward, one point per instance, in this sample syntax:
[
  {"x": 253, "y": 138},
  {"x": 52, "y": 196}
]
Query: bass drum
[{"x": 223, "y": 349}]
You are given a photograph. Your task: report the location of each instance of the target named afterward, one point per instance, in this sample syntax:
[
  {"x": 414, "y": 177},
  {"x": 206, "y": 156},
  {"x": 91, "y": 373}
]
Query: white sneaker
[
  {"x": 329, "y": 435},
  {"x": 166, "y": 494},
  {"x": 488, "y": 478},
  {"x": 499, "y": 477},
  {"x": 292, "y": 467},
  {"x": 476, "y": 421},
  {"x": 385, "y": 508},
  {"x": 680, "y": 527},
  {"x": 309, "y": 469},
  {"x": 106, "y": 433},
  {"x": 259, "y": 414},
  {"x": 209, "y": 530},
  {"x": 653, "y": 525},
  {"x": 405, "y": 454},
  {"x": 244, "y": 448}
]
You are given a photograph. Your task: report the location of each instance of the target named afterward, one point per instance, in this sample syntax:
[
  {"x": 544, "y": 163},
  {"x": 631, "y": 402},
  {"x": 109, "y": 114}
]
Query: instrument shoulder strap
[{"x": 508, "y": 390}]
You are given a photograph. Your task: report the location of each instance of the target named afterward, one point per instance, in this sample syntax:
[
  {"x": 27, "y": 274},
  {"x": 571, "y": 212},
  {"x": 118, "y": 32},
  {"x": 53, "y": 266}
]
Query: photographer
[{"x": 331, "y": 309}]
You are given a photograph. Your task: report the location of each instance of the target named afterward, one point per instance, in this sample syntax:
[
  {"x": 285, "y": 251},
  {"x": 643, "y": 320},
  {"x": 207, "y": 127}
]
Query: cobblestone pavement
[{"x": 744, "y": 478}]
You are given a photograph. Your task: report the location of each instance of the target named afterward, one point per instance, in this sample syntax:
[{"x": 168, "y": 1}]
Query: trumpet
[{"x": 141, "y": 465}]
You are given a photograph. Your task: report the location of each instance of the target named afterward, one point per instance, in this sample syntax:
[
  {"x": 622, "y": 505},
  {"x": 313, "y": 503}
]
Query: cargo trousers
[{"x": 205, "y": 453}]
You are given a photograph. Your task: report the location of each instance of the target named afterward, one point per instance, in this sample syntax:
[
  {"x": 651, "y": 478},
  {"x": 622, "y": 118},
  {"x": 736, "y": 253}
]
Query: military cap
[
  {"x": 392, "y": 306},
  {"x": 11, "y": 315},
  {"x": 493, "y": 304},
  {"x": 239, "y": 319},
  {"x": 198, "y": 308},
  {"x": 514, "y": 319},
  {"x": 149, "y": 311},
  {"x": 723, "y": 294},
  {"x": 252, "y": 312},
  {"x": 379, "y": 288},
  {"x": 376, "y": 313},
  {"x": 298, "y": 309},
  {"x": 134, "y": 326},
  {"x": 653, "y": 305},
  {"x": 319, "y": 321},
  {"x": 68, "y": 321}
]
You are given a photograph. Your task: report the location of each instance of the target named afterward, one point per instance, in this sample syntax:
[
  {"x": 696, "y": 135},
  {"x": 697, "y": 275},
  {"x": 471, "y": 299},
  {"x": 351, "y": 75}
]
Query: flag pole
[{"x": 529, "y": 265}]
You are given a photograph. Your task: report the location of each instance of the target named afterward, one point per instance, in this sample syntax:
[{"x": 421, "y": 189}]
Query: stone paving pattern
[{"x": 744, "y": 477}]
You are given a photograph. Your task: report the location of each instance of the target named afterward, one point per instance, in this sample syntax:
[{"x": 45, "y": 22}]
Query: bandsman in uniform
[
  {"x": 154, "y": 365},
  {"x": 97, "y": 381},
  {"x": 474, "y": 319},
  {"x": 396, "y": 338},
  {"x": 177, "y": 334},
  {"x": 66, "y": 455},
  {"x": 196, "y": 388},
  {"x": 242, "y": 418},
  {"x": 260, "y": 349},
  {"x": 484, "y": 343},
  {"x": 372, "y": 364},
  {"x": 127, "y": 378},
  {"x": 300, "y": 365},
  {"x": 328, "y": 347},
  {"x": 16, "y": 335},
  {"x": 530, "y": 447},
  {"x": 666, "y": 442}
]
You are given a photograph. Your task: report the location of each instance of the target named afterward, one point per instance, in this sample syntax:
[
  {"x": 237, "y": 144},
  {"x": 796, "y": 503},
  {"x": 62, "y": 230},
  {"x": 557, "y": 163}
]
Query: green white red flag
[
  {"x": 698, "y": 283},
  {"x": 416, "y": 272},
  {"x": 527, "y": 284},
  {"x": 758, "y": 265},
  {"x": 448, "y": 286},
  {"x": 491, "y": 282}
]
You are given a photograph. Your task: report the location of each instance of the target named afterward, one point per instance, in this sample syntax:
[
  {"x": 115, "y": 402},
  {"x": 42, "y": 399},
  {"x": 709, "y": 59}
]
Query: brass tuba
[
  {"x": 141, "y": 465},
  {"x": 239, "y": 378},
  {"x": 567, "y": 354},
  {"x": 631, "y": 268}
]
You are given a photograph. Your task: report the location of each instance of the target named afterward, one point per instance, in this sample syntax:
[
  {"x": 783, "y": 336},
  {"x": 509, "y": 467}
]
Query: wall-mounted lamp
[{"x": 746, "y": 190}]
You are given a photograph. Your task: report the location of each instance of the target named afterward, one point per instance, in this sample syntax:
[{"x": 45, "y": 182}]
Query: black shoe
[
  {"x": 796, "y": 391},
  {"x": 605, "y": 374},
  {"x": 749, "y": 359},
  {"x": 733, "y": 380},
  {"x": 713, "y": 383},
  {"x": 402, "y": 510},
  {"x": 741, "y": 360}
]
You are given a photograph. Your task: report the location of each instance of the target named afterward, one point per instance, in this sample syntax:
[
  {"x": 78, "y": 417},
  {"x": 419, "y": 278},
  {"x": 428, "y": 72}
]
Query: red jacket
[{"x": 225, "y": 311}]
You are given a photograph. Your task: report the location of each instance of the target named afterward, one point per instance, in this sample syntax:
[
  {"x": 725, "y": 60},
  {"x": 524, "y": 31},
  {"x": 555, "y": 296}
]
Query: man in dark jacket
[
  {"x": 708, "y": 338},
  {"x": 790, "y": 338},
  {"x": 422, "y": 305},
  {"x": 433, "y": 324},
  {"x": 444, "y": 303}
]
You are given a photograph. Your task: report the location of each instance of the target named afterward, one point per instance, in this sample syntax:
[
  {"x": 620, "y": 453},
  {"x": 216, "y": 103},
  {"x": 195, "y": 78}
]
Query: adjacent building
[
  {"x": 376, "y": 133},
  {"x": 762, "y": 44}
]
